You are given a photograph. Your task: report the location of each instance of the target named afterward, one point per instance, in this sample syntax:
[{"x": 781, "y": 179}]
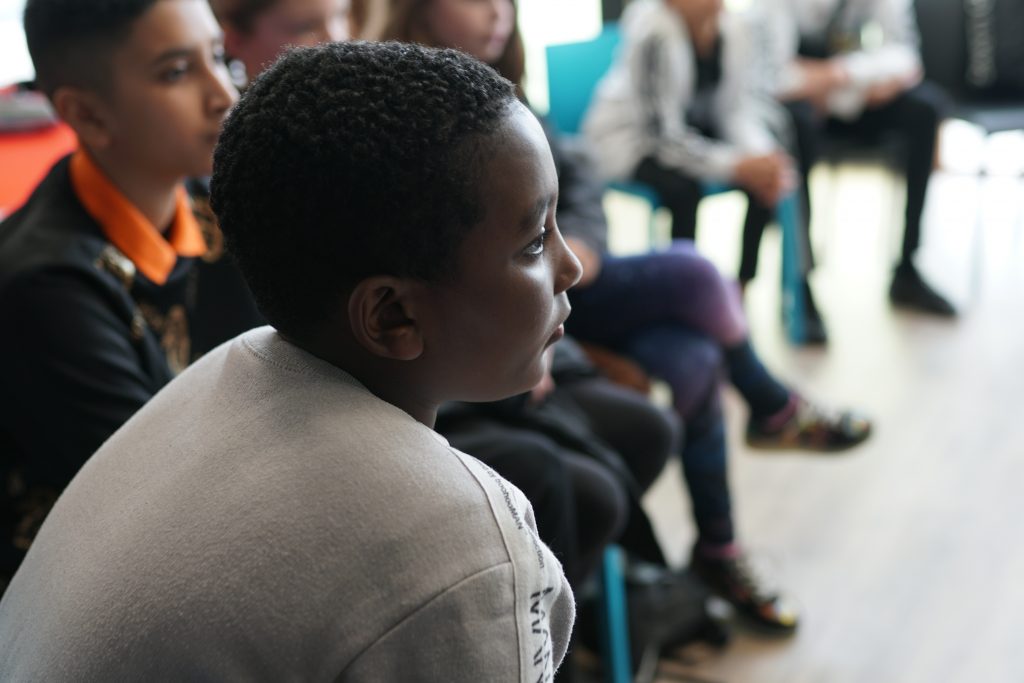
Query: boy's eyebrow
[
  {"x": 178, "y": 52},
  {"x": 531, "y": 219},
  {"x": 174, "y": 53}
]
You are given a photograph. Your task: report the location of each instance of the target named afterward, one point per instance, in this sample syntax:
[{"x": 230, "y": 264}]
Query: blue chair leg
[
  {"x": 652, "y": 225},
  {"x": 615, "y": 622},
  {"x": 788, "y": 215}
]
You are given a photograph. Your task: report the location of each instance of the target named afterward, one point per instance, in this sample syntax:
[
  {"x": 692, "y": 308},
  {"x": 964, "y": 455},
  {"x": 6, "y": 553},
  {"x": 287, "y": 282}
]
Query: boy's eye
[
  {"x": 174, "y": 71},
  {"x": 302, "y": 28},
  {"x": 219, "y": 56},
  {"x": 536, "y": 247}
]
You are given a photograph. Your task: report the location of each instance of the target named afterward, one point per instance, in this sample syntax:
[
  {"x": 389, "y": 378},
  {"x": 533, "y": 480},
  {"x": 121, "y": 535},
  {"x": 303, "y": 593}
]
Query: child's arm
[
  {"x": 750, "y": 116},
  {"x": 78, "y": 377},
  {"x": 767, "y": 176},
  {"x": 508, "y": 622}
]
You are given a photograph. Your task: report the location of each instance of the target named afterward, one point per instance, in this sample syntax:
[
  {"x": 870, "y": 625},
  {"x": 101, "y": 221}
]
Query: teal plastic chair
[
  {"x": 574, "y": 70},
  {"x": 618, "y": 665}
]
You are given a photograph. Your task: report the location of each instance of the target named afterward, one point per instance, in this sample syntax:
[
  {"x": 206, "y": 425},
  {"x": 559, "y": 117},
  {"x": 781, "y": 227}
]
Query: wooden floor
[{"x": 906, "y": 555}]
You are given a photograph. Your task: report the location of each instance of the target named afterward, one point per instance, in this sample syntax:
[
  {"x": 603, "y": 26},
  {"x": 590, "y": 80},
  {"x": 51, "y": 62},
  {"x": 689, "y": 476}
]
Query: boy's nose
[
  {"x": 335, "y": 30},
  {"x": 568, "y": 267},
  {"x": 222, "y": 93}
]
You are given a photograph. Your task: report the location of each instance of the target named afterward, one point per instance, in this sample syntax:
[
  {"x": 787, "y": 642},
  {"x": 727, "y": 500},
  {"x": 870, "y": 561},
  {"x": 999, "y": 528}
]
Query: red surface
[{"x": 24, "y": 160}]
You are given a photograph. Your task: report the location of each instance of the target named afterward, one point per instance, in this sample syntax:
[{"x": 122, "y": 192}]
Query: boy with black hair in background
[
  {"x": 99, "y": 285},
  {"x": 283, "y": 509}
]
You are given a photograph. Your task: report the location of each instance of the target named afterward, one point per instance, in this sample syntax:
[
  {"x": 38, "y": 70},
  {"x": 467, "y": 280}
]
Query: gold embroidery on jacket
[
  {"x": 172, "y": 330},
  {"x": 30, "y": 505},
  {"x": 209, "y": 227},
  {"x": 113, "y": 261}
]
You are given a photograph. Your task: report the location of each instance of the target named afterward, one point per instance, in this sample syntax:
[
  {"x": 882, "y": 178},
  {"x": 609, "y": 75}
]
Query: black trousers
[
  {"x": 913, "y": 118},
  {"x": 681, "y": 193},
  {"x": 802, "y": 143}
]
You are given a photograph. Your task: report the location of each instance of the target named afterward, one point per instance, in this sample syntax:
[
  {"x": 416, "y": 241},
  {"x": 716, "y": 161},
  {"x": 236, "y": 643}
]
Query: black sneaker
[
  {"x": 733, "y": 580},
  {"x": 909, "y": 290}
]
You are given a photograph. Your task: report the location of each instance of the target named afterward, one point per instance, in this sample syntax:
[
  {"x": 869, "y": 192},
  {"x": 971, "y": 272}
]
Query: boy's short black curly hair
[
  {"x": 347, "y": 160},
  {"x": 71, "y": 40}
]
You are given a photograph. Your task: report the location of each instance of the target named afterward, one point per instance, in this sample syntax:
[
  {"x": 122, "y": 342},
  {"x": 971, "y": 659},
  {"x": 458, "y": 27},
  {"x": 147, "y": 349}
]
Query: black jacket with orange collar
[{"x": 87, "y": 340}]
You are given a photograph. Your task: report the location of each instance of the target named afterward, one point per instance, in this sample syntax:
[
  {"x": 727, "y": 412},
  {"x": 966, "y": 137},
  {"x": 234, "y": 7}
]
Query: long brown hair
[{"x": 405, "y": 23}]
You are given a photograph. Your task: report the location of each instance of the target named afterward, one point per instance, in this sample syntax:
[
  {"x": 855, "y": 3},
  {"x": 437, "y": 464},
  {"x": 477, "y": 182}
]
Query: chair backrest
[{"x": 574, "y": 70}]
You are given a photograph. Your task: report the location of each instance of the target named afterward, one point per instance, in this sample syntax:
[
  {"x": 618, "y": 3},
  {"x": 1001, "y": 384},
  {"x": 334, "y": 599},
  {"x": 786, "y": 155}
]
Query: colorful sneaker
[
  {"x": 810, "y": 427},
  {"x": 732, "y": 579}
]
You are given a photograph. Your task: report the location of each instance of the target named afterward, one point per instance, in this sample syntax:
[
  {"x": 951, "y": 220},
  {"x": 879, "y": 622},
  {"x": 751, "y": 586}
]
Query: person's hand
[
  {"x": 768, "y": 177},
  {"x": 822, "y": 76},
  {"x": 547, "y": 383},
  {"x": 881, "y": 94},
  {"x": 819, "y": 78},
  {"x": 590, "y": 260}
]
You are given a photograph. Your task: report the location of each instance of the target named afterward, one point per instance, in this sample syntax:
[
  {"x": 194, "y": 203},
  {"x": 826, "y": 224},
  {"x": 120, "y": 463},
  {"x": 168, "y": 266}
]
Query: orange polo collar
[{"x": 130, "y": 231}]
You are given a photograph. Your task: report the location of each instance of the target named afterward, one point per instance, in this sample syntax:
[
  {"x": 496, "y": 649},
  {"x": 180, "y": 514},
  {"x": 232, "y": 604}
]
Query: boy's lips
[
  {"x": 559, "y": 331},
  {"x": 556, "y": 335}
]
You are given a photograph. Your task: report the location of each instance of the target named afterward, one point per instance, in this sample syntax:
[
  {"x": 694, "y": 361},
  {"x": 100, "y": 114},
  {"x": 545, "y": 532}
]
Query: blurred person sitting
[
  {"x": 836, "y": 85},
  {"x": 102, "y": 280},
  {"x": 679, "y": 109}
]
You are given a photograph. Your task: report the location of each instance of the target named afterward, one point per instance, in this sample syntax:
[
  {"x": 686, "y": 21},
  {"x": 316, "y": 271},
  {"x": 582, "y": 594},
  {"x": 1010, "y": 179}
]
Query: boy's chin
[
  {"x": 521, "y": 386},
  {"x": 201, "y": 170},
  {"x": 531, "y": 383},
  {"x": 202, "y": 163}
]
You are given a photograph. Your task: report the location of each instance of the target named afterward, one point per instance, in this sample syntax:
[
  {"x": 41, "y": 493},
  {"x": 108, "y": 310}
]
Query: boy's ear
[
  {"x": 382, "y": 313},
  {"x": 83, "y": 110}
]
